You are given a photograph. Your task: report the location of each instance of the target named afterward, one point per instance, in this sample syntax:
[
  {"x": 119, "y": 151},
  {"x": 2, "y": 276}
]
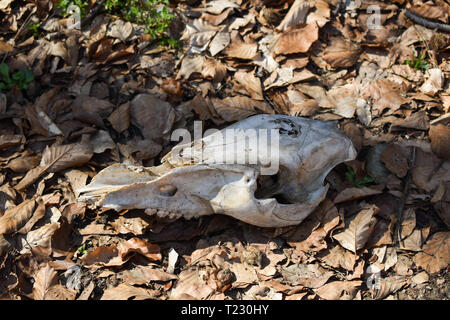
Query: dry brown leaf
[
  {"x": 435, "y": 254},
  {"x": 10, "y": 140},
  {"x": 134, "y": 225},
  {"x": 239, "y": 107},
  {"x": 417, "y": 120},
  {"x": 44, "y": 279},
  {"x": 57, "y": 158},
  {"x": 120, "y": 117},
  {"x": 251, "y": 83},
  {"x": 37, "y": 215},
  {"x": 125, "y": 291},
  {"x": 408, "y": 223},
  {"x": 341, "y": 54},
  {"x": 429, "y": 171},
  {"x": 16, "y": 217},
  {"x": 296, "y": 15},
  {"x": 395, "y": 158},
  {"x": 307, "y": 275},
  {"x": 241, "y": 50},
  {"x": 297, "y": 40},
  {"x": 388, "y": 285},
  {"x": 415, "y": 240},
  {"x": 40, "y": 122},
  {"x": 339, "y": 290},
  {"x": 384, "y": 94},
  {"x": 192, "y": 285},
  {"x": 214, "y": 70},
  {"x": 381, "y": 234},
  {"x": 144, "y": 275},
  {"x": 146, "y": 109},
  {"x": 198, "y": 34},
  {"x": 59, "y": 292},
  {"x": 431, "y": 11},
  {"x": 148, "y": 250},
  {"x": 358, "y": 230},
  {"x": 41, "y": 237},
  {"x": 440, "y": 140},
  {"x": 219, "y": 42},
  {"x": 24, "y": 163},
  {"x": 338, "y": 257},
  {"x": 434, "y": 83},
  {"x": 102, "y": 255},
  {"x": 355, "y": 193}
]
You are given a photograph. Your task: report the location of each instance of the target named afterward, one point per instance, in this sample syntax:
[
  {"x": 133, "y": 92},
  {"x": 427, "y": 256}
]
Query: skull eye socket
[{"x": 167, "y": 190}]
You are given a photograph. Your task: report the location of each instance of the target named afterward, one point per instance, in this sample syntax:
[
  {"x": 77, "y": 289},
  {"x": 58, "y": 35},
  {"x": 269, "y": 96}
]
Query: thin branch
[{"x": 427, "y": 23}]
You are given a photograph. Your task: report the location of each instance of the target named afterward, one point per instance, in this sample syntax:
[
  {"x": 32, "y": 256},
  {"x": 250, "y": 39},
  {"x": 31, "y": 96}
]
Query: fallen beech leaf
[
  {"x": 296, "y": 15},
  {"x": 134, "y": 225},
  {"x": 125, "y": 291},
  {"x": 10, "y": 140},
  {"x": 417, "y": 120},
  {"x": 297, "y": 40},
  {"x": 415, "y": 240},
  {"x": 120, "y": 29},
  {"x": 24, "y": 164},
  {"x": 386, "y": 286},
  {"x": 251, "y": 83},
  {"x": 44, "y": 279},
  {"x": 144, "y": 275},
  {"x": 192, "y": 285},
  {"x": 308, "y": 275},
  {"x": 355, "y": 193},
  {"x": 59, "y": 292},
  {"x": 242, "y": 50},
  {"x": 420, "y": 278},
  {"x": 408, "y": 222},
  {"x": 435, "y": 254},
  {"x": 213, "y": 70},
  {"x": 440, "y": 140},
  {"x": 197, "y": 35},
  {"x": 146, "y": 109},
  {"x": 37, "y": 215},
  {"x": 40, "y": 122},
  {"x": 102, "y": 255},
  {"x": 239, "y": 107},
  {"x": 120, "y": 117},
  {"x": 341, "y": 54},
  {"x": 358, "y": 230},
  {"x": 40, "y": 237},
  {"x": 57, "y": 158},
  {"x": 16, "y": 217},
  {"x": 339, "y": 290},
  {"x": 219, "y": 42},
  {"x": 338, "y": 257},
  {"x": 395, "y": 158},
  {"x": 148, "y": 250},
  {"x": 429, "y": 171},
  {"x": 381, "y": 234},
  {"x": 384, "y": 94},
  {"x": 434, "y": 82}
]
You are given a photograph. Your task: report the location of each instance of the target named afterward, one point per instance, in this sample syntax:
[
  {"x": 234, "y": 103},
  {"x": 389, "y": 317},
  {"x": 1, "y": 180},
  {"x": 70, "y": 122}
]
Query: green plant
[
  {"x": 34, "y": 27},
  {"x": 418, "y": 63},
  {"x": 67, "y": 5},
  {"x": 154, "y": 14},
  {"x": 19, "y": 79},
  {"x": 351, "y": 176},
  {"x": 82, "y": 250}
]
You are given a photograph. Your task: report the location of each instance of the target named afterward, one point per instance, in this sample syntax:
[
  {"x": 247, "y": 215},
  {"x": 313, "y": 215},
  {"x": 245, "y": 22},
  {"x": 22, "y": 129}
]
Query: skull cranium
[{"x": 190, "y": 182}]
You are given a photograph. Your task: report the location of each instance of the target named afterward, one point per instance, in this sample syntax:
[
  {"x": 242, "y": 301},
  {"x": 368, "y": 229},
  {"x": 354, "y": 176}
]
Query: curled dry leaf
[
  {"x": 355, "y": 193},
  {"x": 387, "y": 286},
  {"x": 338, "y": 257},
  {"x": 242, "y": 50},
  {"x": 41, "y": 237},
  {"x": 440, "y": 140},
  {"x": 358, "y": 230},
  {"x": 434, "y": 82},
  {"x": 120, "y": 117},
  {"x": 239, "y": 107},
  {"x": 154, "y": 117},
  {"x": 198, "y": 34},
  {"x": 341, "y": 54},
  {"x": 296, "y": 15},
  {"x": 435, "y": 254},
  {"x": 339, "y": 290},
  {"x": 148, "y": 250},
  {"x": 16, "y": 217},
  {"x": 193, "y": 285},
  {"x": 308, "y": 275},
  {"x": 297, "y": 40},
  {"x": 44, "y": 279},
  {"x": 125, "y": 291},
  {"x": 251, "y": 83},
  {"x": 214, "y": 70},
  {"x": 144, "y": 275},
  {"x": 384, "y": 94},
  {"x": 395, "y": 158},
  {"x": 219, "y": 42}
]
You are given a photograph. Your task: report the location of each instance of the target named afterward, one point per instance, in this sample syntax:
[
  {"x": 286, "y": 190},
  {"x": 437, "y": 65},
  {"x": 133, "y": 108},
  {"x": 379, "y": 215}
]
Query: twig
[
  {"x": 427, "y": 23},
  {"x": 411, "y": 161}
]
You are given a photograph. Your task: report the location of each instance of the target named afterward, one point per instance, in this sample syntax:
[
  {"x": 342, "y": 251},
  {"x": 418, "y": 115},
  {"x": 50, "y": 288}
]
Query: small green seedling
[
  {"x": 351, "y": 176},
  {"x": 82, "y": 250},
  {"x": 418, "y": 63},
  {"x": 34, "y": 27},
  {"x": 20, "y": 79}
]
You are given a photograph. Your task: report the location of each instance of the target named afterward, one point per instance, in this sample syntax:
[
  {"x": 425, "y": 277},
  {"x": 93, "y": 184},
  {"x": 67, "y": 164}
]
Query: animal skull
[{"x": 191, "y": 183}]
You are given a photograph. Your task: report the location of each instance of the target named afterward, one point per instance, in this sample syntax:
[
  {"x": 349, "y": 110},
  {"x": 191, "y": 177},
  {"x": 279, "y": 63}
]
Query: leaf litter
[{"x": 106, "y": 94}]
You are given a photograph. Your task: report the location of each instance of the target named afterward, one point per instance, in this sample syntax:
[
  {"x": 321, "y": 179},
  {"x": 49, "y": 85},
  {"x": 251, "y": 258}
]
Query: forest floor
[{"x": 75, "y": 100}]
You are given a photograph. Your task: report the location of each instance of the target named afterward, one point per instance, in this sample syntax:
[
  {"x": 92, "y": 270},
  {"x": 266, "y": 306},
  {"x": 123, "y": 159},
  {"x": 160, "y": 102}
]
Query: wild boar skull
[{"x": 198, "y": 178}]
